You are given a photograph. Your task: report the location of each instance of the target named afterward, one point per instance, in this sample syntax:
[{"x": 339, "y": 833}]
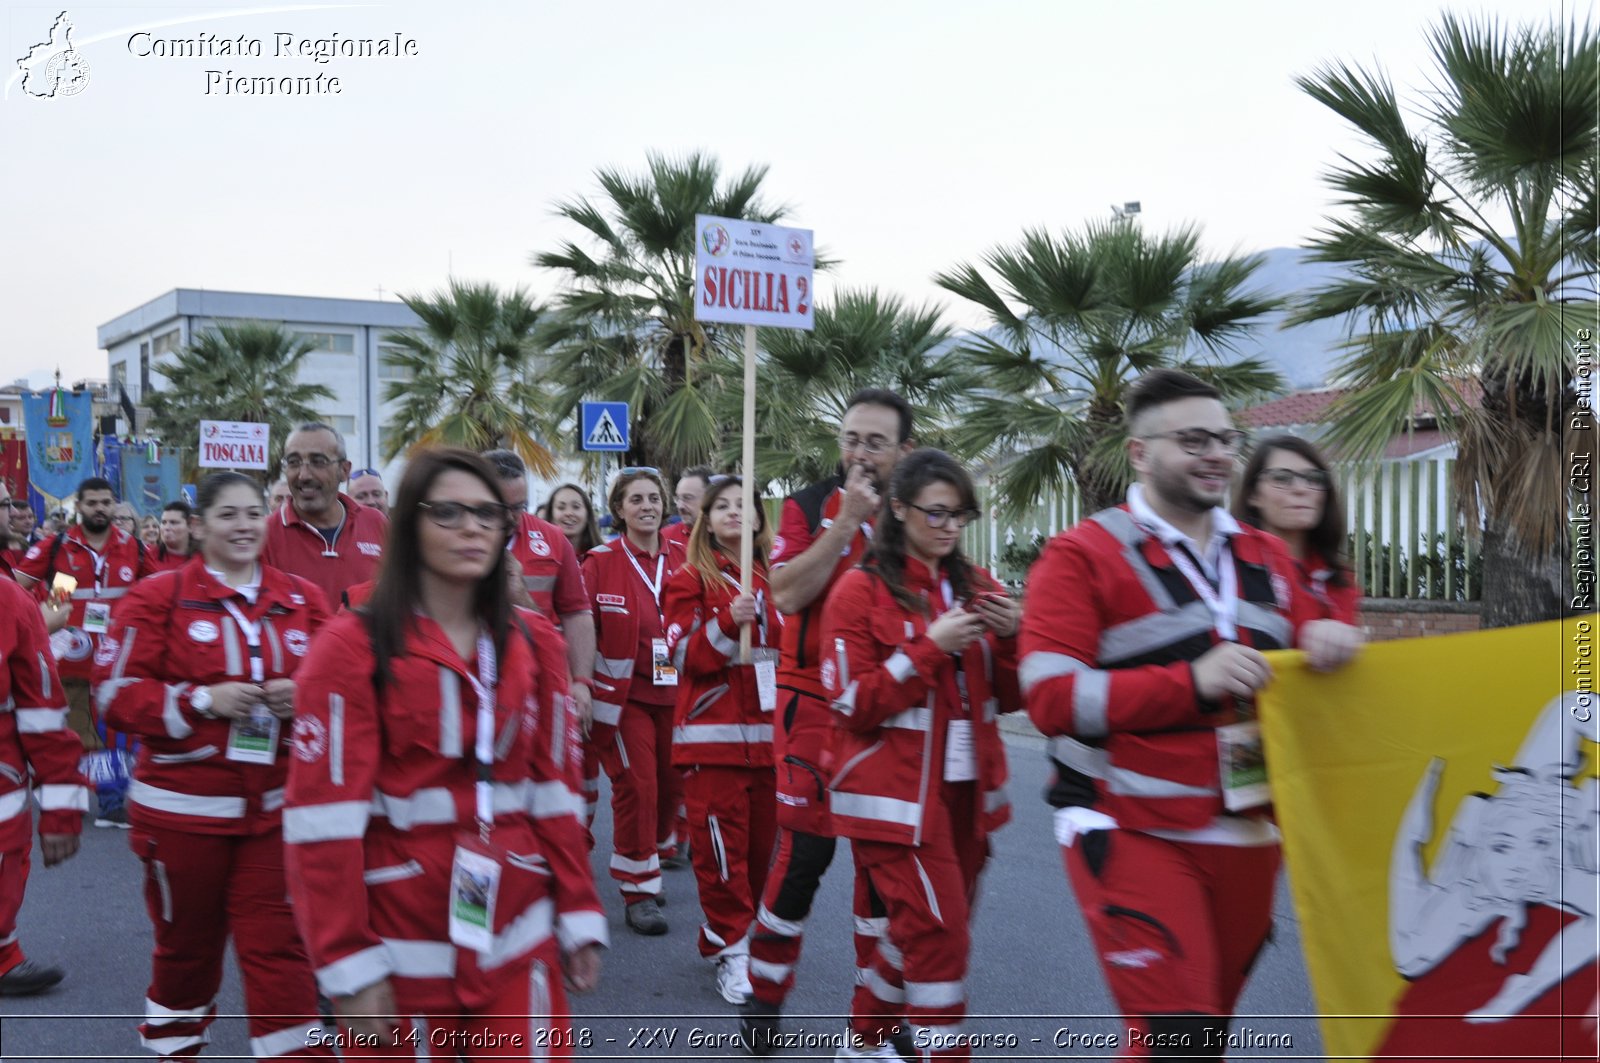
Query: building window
[
  {"x": 387, "y": 369},
  {"x": 119, "y": 379},
  {"x": 345, "y": 426},
  {"x": 330, "y": 342},
  {"x": 167, "y": 341}
]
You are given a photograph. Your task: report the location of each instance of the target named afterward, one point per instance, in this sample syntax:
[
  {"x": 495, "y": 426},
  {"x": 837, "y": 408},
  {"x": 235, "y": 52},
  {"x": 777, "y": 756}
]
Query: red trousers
[
  {"x": 199, "y": 889},
  {"x": 920, "y": 967},
  {"x": 644, "y": 796},
  {"x": 732, "y": 819},
  {"x": 798, "y": 864},
  {"x": 1177, "y": 925},
  {"x": 527, "y": 1019},
  {"x": 13, "y": 883}
]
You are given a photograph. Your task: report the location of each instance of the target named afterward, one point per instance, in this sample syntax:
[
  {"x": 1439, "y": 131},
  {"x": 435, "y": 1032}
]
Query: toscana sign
[{"x": 233, "y": 445}]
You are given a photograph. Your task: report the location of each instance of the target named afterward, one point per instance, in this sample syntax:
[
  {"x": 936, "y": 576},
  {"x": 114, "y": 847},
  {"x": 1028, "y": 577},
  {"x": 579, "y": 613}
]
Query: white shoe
[
  {"x": 866, "y": 1052},
  {"x": 733, "y": 978}
]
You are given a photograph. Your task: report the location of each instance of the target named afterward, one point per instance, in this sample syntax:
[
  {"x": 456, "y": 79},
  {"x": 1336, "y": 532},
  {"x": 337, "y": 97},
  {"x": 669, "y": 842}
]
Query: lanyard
[
  {"x": 483, "y": 684},
  {"x": 1223, "y": 601},
  {"x": 661, "y": 568},
  {"x": 330, "y": 547},
  {"x": 761, "y": 606},
  {"x": 252, "y": 637}
]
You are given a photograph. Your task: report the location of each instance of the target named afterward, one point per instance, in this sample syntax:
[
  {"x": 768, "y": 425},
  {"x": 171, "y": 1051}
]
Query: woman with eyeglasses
[
  {"x": 722, "y": 738},
  {"x": 920, "y": 660},
  {"x": 201, "y": 664},
  {"x": 436, "y": 860},
  {"x": 124, "y": 517},
  {"x": 1289, "y": 491},
  {"x": 569, "y": 509},
  {"x": 635, "y": 689}
]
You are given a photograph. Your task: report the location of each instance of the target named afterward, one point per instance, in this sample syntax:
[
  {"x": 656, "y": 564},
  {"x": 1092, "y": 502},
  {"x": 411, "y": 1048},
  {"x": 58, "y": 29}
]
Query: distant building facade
[{"x": 348, "y": 357}]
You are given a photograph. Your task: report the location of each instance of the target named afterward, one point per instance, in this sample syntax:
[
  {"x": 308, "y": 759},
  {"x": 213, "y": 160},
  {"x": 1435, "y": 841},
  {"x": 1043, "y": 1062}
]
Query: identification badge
[
  {"x": 254, "y": 739},
  {"x": 662, "y": 674},
  {"x": 1243, "y": 766},
  {"x": 960, "y": 758},
  {"x": 766, "y": 662},
  {"x": 97, "y": 617},
  {"x": 474, "y": 884}
]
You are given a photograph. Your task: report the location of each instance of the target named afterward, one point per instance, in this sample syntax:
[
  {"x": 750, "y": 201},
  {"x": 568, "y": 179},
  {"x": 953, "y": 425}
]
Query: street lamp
[{"x": 1127, "y": 210}]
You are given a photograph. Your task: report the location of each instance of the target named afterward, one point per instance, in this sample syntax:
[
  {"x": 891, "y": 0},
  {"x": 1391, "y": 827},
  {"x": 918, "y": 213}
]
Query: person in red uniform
[
  {"x": 686, "y": 499},
  {"x": 24, "y": 531},
  {"x": 41, "y": 753},
  {"x": 823, "y": 532},
  {"x": 436, "y": 858},
  {"x": 919, "y": 659},
  {"x": 104, "y": 561},
  {"x": 571, "y": 512},
  {"x": 177, "y": 545},
  {"x": 636, "y": 687},
  {"x": 722, "y": 735},
  {"x": 1288, "y": 490},
  {"x": 1141, "y": 643},
  {"x": 366, "y": 487},
  {"x": 200, "y": 664},
  {"x": 323, "y": 535}
]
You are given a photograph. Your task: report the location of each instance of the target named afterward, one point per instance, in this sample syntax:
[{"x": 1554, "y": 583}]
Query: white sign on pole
[
  {"x": 747, "y": 273},
  {"x": 233, "y": 445}
]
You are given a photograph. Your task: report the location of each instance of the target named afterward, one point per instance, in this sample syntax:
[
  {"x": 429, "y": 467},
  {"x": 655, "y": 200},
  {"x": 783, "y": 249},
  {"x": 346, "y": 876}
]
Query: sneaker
[
  {"x": 846, "y": 1051},
  {"x": 733, "y": 978},
  {"x": 28, "y": 978},
  {"x": 645, "y": 918},
  {"x": 904, "y": 1045},
  {"x": 758, "y": 1028},
  {"x": 113, "y": 817}
]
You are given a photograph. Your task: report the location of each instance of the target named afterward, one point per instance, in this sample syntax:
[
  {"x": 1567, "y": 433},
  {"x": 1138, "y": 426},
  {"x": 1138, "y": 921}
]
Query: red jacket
[
  {"x": 1109, "y": 632},
  {"x": 381, "y": 785},
  {"x": 549, "y": 568},
  {"x": 170, "y": 635},
  {"x": 679, "y": 532},
  {"x": 37, "y": 750},
  {"x": 296, "y": 547},
  {"x": 895, "y": 694},
  {"x": 719, "y": 718},
  {"x": 1336, "y": 601},
  {"x": 620, "y": 601},
  {"x": 103, "y": 577}
]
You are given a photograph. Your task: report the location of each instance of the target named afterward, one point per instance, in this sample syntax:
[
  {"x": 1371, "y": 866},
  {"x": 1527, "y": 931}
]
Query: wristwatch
[{"x": 200, "y": 700}]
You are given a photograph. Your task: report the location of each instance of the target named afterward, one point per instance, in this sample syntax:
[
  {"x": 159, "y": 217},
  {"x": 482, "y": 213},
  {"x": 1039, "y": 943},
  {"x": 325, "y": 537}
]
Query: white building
[{"x": 347, "y": 358}]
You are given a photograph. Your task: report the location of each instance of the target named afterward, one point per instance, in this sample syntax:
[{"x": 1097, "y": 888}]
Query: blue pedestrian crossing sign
[{"x": 604, "y": 426}]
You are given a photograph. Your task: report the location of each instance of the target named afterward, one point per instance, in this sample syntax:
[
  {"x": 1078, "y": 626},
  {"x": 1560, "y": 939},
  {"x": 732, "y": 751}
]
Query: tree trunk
[{"x": 1519, "y": 588}]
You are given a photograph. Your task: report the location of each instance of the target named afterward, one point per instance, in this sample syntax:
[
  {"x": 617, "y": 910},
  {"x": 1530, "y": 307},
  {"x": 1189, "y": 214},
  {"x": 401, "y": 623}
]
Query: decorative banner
[
  {"x": 60, "y": 432},
  {"x": 1440, "y": 812},
  {"x": 752, "y": 274},
  {"x": 108, "y": 462},
  {"x": 146, "y": 484},
  {"x": 14, "y": 466},
  {"x": 233, "y": 445}
]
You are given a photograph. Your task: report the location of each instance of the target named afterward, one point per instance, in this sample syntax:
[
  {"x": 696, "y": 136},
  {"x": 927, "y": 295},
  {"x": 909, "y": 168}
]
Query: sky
[{"x": 911, "y": 136}]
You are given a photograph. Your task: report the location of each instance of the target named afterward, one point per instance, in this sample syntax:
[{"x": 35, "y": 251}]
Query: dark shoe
[
  {"x": 758, "y": 1028},
  {"x": 678, "y": 860},
  {"x": 904, "y": 1044},
  {"x": 645, "y": 918},
  {"x": 113, "y": 817},
  {"x": 28, "y": 978}
]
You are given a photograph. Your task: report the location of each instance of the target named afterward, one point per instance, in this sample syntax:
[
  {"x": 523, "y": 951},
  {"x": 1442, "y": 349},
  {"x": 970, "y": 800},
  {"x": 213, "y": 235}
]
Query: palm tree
[
  {"x": 625, "y": 330},
  {"x": 1071, "y": 321},
  {"x": 472, "y": 374},
  {"x": 804, "y": 379},
  {"x": 1470, "y": 246},
  {"x": 234, "y": 371}
]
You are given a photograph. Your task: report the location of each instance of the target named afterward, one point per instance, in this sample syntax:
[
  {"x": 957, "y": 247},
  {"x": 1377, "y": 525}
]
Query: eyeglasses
[
  {"x": 316, "y": 461},
  {"x": 490, "y": 515},
  {"x": 125, "y": 520},
  {"x": 938, "y": 518},
  {"x": 873, "y": 445},
  {"x": 722, "y": 478},
  {"x": 631, "y": 469},
  {"x": 1315, "y": 479},
  {"x": 1196, "y": 441}
]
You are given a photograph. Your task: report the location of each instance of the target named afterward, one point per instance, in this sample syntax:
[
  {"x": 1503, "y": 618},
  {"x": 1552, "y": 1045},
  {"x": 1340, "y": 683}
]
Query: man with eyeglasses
[
  {"x": 1141, "y": 655},
  {"x": 15, "y": 541},
  {"x": 550, "y": 574},
  {"x": 823, "y": 533},
  {"x": 322, "y": 534},
  {"x": 686, "y": 497}
]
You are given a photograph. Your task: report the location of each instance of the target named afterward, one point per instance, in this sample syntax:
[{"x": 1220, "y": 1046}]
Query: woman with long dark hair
[
  {"x": 921, "y": 660},
  {"x": 569, "y": 509},
  {"x": 635, "y": 689},
  {"x": 722, "y": 738},
  {"x": 436, "y": 859},
  {"x": 1288, "y": 490},
  {"x": 201, "y": 663}
]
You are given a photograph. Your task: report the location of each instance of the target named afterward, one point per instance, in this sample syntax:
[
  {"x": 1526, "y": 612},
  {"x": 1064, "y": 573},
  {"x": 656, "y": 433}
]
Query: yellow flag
[{"x": 1439, "y": 806}]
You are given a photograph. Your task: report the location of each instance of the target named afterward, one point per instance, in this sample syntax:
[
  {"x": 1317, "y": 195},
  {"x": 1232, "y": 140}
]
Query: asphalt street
[{"x": 1035, "y": 988}]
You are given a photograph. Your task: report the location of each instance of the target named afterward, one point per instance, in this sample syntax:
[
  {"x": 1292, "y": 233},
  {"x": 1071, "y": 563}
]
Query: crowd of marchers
[{"x": 361, "y": 736}]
